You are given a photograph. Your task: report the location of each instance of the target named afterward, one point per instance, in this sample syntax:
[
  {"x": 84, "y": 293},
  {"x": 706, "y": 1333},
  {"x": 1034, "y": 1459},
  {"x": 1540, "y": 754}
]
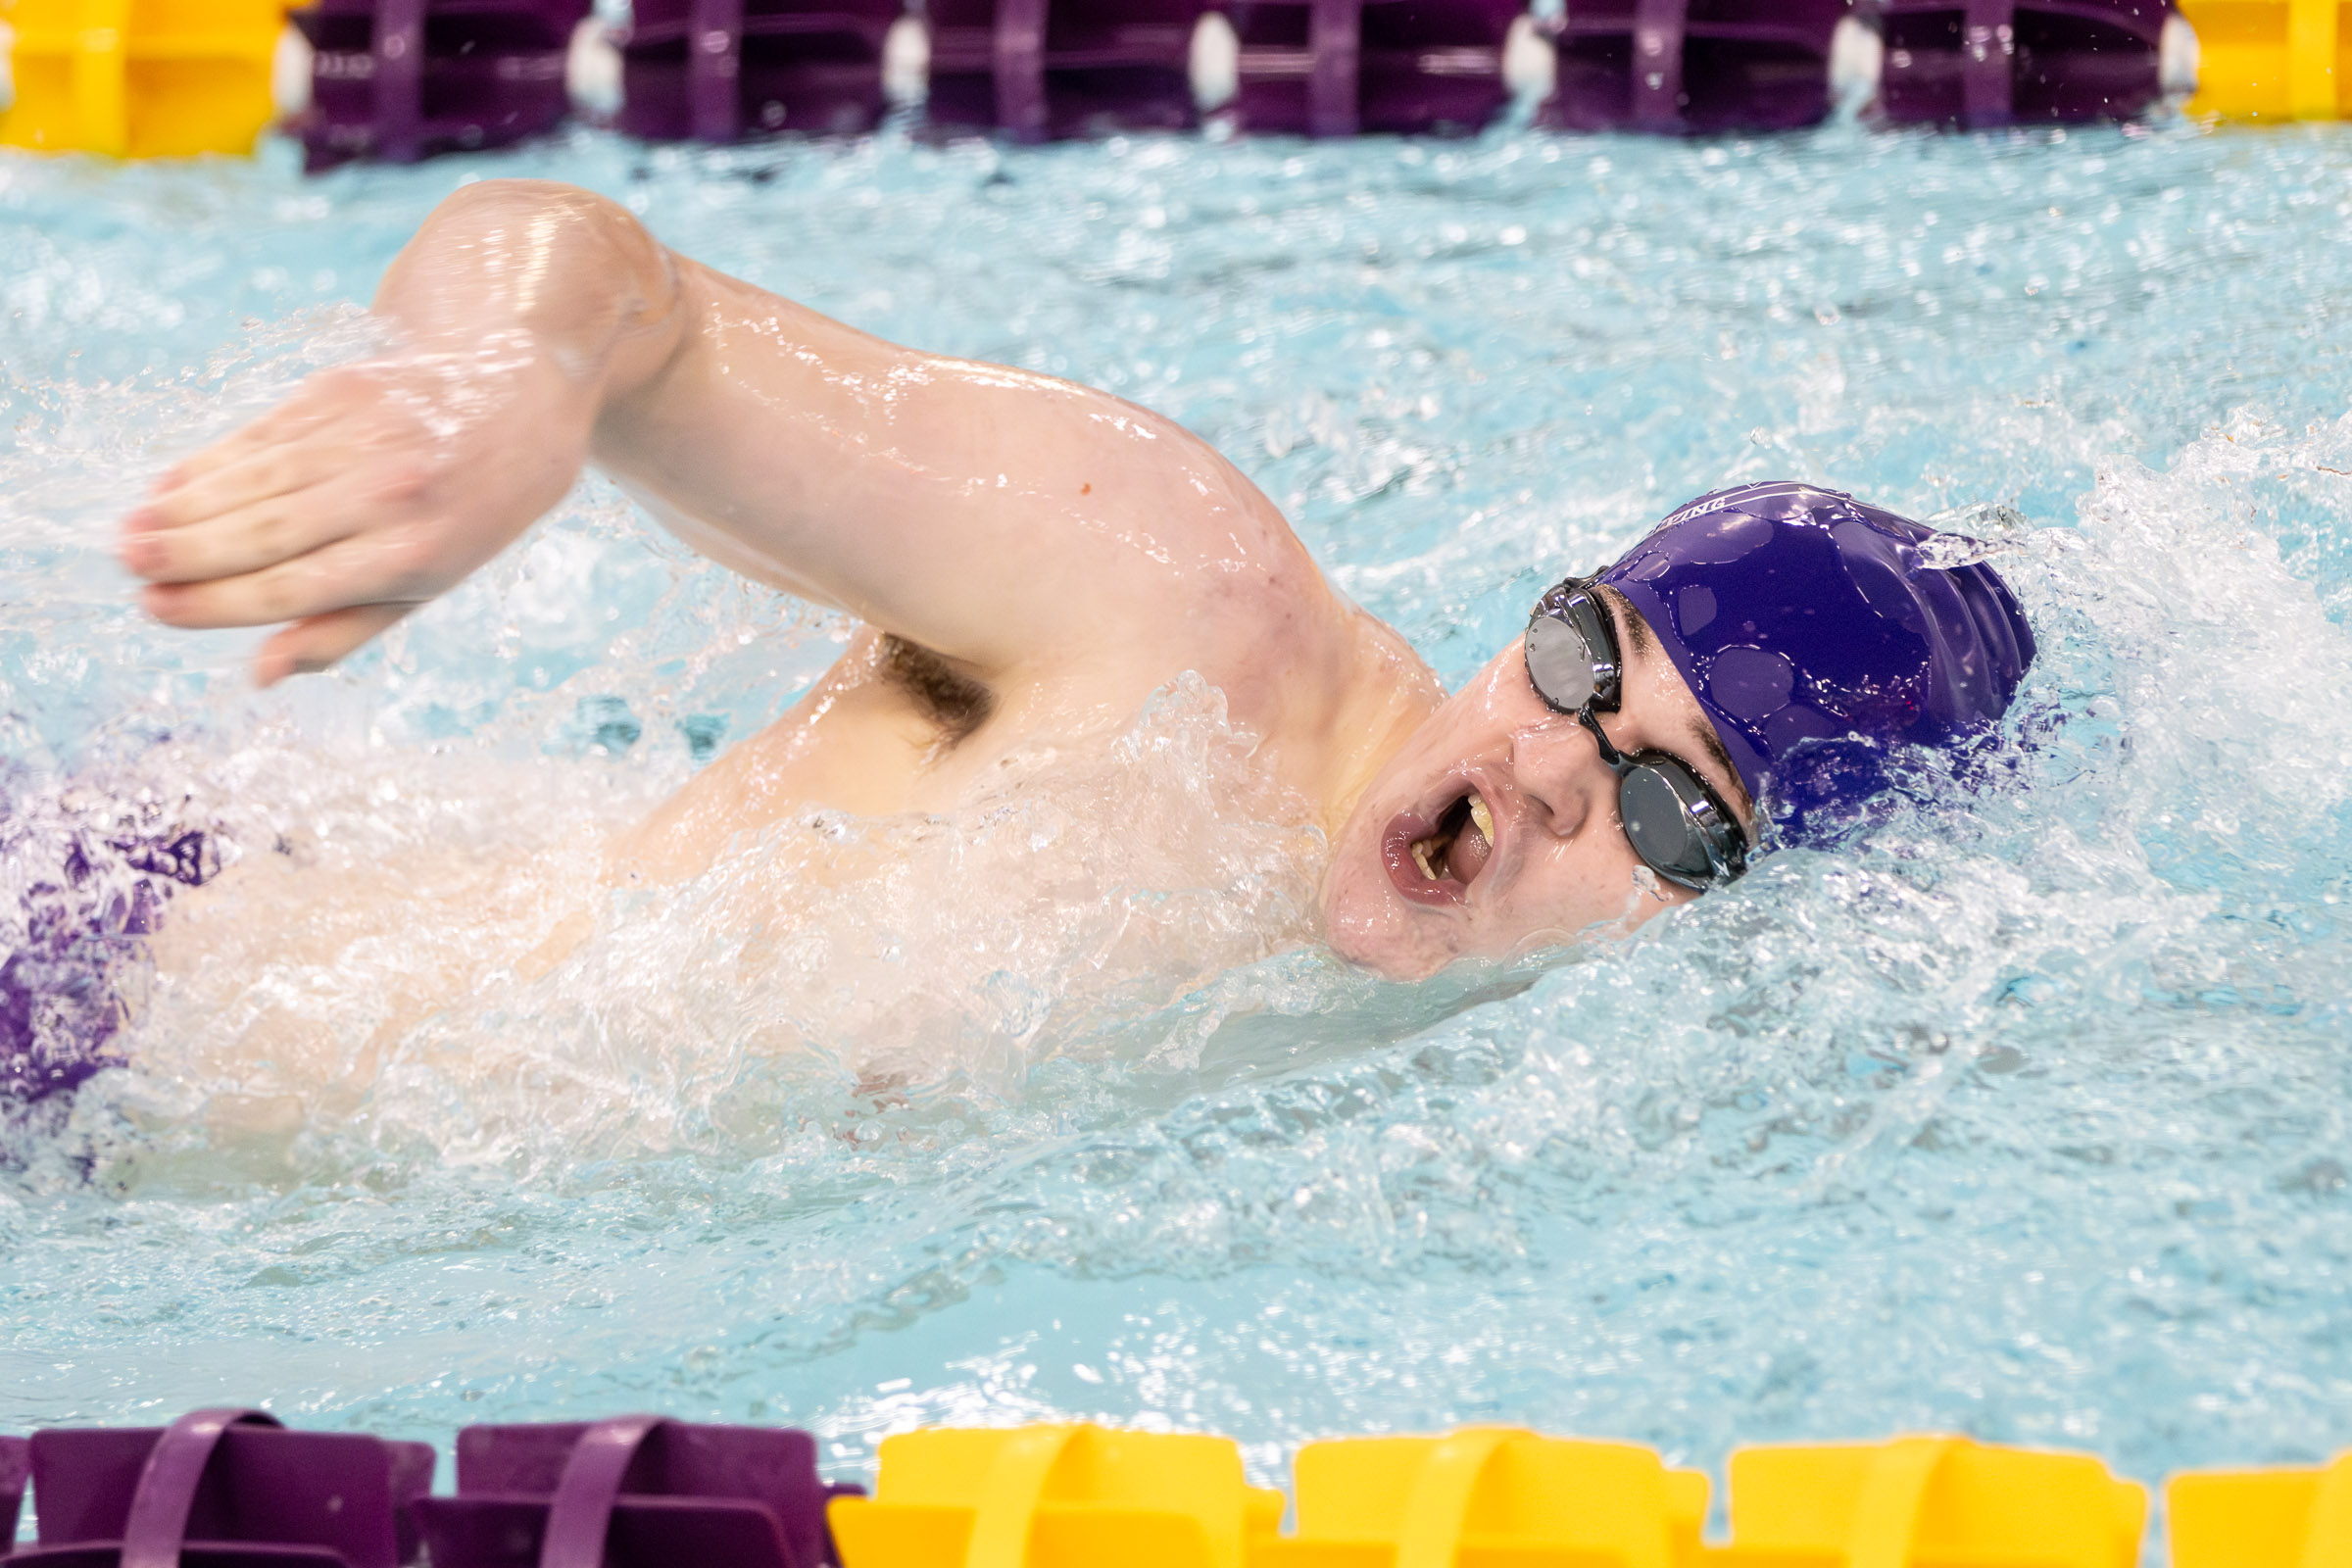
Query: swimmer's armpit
[{"x": 955, "y": 701}]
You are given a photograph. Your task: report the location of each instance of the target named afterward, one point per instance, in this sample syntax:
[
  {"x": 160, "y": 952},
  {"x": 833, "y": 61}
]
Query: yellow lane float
[
  {"x": 1054, "y": 1496},
  {"x": 1942, "y": 1501},
  {"x": 2262, "y": 1519},
  {"x": 1487, "y": 1495},
  {"x": 1082, "y": 1496},
  {"x": 140, "y": 79},
  {"x": 2273, "y": 59}
]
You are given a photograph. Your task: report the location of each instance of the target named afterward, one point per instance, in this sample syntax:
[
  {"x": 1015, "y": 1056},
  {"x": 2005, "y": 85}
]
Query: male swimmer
[{"x": 1031, "y": 560}]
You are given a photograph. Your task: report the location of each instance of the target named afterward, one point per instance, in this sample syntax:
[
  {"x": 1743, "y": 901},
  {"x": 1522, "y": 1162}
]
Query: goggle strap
[{"x": 1609, "y": 752}]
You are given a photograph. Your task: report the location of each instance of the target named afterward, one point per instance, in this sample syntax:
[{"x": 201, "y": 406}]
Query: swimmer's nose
[{"x": 1560, "y": 776}]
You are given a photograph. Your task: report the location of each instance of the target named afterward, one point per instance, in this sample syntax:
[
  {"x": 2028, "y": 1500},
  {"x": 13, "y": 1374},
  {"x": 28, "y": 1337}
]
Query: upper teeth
[{"x": 1429, "y": 852}]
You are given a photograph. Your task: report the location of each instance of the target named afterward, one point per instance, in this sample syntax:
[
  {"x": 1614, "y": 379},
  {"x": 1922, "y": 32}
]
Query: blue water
[{"x": 2028, "y": 1113}]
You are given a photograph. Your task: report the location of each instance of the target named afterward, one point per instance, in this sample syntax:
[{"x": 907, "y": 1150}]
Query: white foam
[
  {"x": 907, "y": 61},
  {"x": 290, "y": 72},
  {"x": 592, "y": 70},
  {"x": 1215, "y": 61},
  {"x": 1857, "y": 61},
  {"x": 2180, "y": 59}
]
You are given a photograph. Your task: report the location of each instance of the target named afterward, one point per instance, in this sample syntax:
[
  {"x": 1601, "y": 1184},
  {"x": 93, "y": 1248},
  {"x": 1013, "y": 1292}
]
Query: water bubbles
[
  {"x": 1949, "y": 550},
  {"x": 1982, "y": 530}
]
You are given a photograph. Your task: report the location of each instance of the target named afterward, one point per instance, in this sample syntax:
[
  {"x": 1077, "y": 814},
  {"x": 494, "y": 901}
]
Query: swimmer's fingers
[
  {"x": 382, "y": 567},
  {"x": 257, "y": 533},
  {"x": 264, "y": 474},
  {"x": 319, "y": 642},
  {"x": 335, "y": 421},
  {"x": 314, "y": 404}
]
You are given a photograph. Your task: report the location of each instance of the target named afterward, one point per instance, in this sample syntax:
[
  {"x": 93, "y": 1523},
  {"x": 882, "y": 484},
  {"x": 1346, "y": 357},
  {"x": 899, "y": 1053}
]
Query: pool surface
[{"x": 2026, "y": 1112}]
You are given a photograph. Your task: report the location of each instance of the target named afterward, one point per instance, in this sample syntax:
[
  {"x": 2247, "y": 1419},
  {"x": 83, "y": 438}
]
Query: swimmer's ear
[{"x": 320, "y": 642}]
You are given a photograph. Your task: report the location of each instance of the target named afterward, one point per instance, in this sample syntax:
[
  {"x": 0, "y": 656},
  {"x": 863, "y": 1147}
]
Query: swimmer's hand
[
  {"x": 342, "y": 509},
  {"x": 379, "y": 485}
]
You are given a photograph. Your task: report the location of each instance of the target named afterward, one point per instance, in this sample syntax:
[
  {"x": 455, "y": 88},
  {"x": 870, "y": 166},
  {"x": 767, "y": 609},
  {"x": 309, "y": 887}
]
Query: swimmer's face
[{"x": 1420, "y": 879}]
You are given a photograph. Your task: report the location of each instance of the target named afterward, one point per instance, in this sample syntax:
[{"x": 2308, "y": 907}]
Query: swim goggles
[{"x": 1673, "y": 817}]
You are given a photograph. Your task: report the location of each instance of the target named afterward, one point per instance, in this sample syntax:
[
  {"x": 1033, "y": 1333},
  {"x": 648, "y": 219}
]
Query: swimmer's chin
[
  {"x": 1386, "y": 937},
  {"x": 1477, "y": 975},
  {"x": 1375, "y": 931}
]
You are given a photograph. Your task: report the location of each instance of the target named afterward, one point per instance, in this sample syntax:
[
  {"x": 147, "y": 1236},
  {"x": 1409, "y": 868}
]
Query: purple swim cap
[{"x": 1800, "y": 614}]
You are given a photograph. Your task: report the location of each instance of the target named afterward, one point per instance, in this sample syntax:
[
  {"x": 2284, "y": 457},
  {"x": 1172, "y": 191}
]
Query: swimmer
[{"x": 1031, "y": 560}]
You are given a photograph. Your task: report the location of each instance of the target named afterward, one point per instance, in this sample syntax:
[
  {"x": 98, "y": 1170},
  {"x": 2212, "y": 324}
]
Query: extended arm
[{"x": 1010, "y": 520}]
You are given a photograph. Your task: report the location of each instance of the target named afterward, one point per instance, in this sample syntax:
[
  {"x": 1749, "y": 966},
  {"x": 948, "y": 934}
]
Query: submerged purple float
[
  {"x": 234, "y": 1489},
  {"x": 399, "y": 80},
  {"x": 228, "y": 1487},
  {"x": 719, "y": 70},
  {"x": 2010, "y": 62}
]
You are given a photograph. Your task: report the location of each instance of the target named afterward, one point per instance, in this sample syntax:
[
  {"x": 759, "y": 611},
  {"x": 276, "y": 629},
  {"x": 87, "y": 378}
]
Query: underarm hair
[{"x": 957, "y": 704}]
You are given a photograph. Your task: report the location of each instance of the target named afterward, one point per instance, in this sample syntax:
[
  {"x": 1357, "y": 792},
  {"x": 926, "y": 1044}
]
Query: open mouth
[{"x": 1435, "y": 862}]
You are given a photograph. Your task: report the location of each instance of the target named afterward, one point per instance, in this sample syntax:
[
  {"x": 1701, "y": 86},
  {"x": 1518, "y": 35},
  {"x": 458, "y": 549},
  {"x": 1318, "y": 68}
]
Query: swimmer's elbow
[
  {"x": 506, "y": 200},
  {"x": 534, "y": 234},
  {"x": 579, "y": 271}
]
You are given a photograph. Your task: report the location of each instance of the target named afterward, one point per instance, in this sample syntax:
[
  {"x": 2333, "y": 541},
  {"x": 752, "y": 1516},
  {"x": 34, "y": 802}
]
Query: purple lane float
[{"x": 396, "y": 81}]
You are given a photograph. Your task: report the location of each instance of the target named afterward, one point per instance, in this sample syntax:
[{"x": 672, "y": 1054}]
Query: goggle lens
[
  {"x": 1671, "y": 817},
  {"x": 1570, "y": 655},
  {"x": 1656, "y": 806},
  {"x": 1560, "y": 663}
]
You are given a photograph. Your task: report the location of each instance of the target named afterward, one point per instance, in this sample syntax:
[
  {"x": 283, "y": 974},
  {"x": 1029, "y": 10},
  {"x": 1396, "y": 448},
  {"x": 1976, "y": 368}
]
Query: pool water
[{"x": 2025, "y": 1111}]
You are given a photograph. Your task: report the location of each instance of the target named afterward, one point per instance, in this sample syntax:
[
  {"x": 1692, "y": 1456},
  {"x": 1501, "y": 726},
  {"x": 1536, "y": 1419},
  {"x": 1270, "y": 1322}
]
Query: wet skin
[
  {"x": 1555, "y": 863},
  {"x": 1056, "y": 551}
]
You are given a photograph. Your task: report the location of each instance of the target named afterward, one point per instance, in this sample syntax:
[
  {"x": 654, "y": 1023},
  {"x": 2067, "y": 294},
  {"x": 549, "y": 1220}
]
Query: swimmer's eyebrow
[
  {"x": 1634, "y": 631},
  {"x": 1712, "y": 744}
]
